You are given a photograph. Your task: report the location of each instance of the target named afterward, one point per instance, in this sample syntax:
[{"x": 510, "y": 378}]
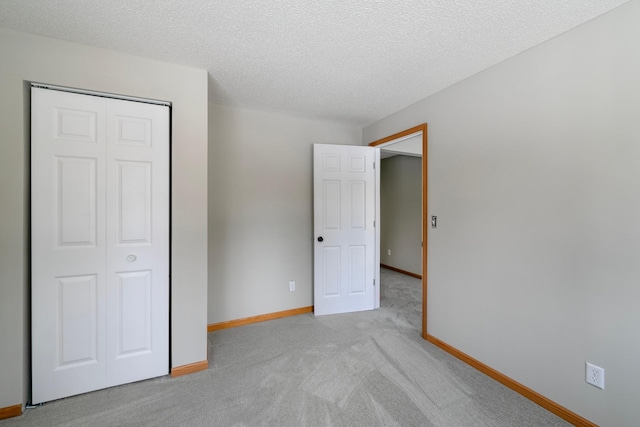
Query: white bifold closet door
[{"x": 99, "y": 242}]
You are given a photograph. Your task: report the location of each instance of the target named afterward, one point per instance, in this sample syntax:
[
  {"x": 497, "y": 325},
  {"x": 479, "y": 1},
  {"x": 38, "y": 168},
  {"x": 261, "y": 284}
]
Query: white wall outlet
[
  {"x": 292, "y": 286},
  {"x": 595, "y": 375},
  {"x": 388, "y": 252}
]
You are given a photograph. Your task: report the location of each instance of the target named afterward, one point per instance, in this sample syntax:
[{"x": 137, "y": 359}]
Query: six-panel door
[
  {"x": 100, "y": 243},
  {"x": 344, "y": 214}
]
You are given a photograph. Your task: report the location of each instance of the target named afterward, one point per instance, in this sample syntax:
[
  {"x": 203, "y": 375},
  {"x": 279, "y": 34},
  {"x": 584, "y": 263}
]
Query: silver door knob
[{"x": 132, "y": 258}]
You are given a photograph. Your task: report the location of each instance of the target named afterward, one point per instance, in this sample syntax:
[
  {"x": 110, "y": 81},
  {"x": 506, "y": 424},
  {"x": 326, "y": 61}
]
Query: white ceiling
[
  {"x": 350, "y": 60},
  {"x": 410, "y": 145}
]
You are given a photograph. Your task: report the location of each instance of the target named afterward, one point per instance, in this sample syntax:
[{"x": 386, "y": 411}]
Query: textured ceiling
[{"x": 350, "y": 60}]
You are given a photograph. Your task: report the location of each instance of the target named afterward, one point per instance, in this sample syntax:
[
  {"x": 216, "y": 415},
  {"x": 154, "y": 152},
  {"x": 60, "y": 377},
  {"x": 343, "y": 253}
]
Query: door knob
[
  {"x": 131, "y": 258},
  {"x": 320, "y": 239}
]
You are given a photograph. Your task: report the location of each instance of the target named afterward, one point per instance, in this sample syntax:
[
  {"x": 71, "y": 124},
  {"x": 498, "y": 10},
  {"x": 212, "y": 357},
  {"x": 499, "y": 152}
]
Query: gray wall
[
  {"x": 261, "y": 209},
  {"x": 33, "y": 58},
  {"x": 401, "y": 213},
  {"x": 534, "y": 173}
]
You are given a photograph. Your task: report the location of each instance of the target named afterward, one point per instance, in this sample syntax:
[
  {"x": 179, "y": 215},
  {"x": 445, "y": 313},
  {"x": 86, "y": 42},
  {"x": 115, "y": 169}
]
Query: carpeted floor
[{"x": 360, "y": 369}]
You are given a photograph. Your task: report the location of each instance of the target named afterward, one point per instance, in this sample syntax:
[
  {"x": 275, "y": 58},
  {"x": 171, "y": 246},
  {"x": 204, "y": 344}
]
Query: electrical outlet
[
  {"x": 292, "y": 286},
  {"x": 595, "y": 375},
  {"x": 388, "y": 252}
]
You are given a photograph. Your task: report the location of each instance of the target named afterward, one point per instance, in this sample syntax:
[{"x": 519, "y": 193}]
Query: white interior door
[
  {"x": 344, "y": 221},
  {"x": 100, "y": 243},
  {"x": 137, "y": 223}
]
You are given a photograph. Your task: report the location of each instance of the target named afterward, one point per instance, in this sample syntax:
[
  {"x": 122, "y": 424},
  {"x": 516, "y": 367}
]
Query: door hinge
[
  {"x": 374, "y": 223},
  {"x": 374, "y": 283},
  {"x": 374, "y": 165}
]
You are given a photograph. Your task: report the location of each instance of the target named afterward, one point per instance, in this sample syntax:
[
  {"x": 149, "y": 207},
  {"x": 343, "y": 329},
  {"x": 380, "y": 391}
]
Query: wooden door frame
[{"x": 425, "y": 229}]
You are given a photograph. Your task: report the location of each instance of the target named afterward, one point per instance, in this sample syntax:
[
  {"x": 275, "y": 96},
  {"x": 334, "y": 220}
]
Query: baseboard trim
[
  {"x": 257, "y": 319},
  {"x": 535, "y": 397},
  {"x": 179, "y": 371},
  {"x": 408, "y": 273},
  {"x": 10, "y": 412}
]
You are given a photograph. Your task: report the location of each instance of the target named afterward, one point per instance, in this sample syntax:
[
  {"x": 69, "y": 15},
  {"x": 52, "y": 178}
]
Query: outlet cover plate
[
  {"x": 595, "y": 375},
  {"x": 292, "y": 286}
]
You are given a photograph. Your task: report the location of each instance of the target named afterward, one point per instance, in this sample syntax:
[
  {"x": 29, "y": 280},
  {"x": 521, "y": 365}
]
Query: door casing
[{"x": 422, "y": 128}]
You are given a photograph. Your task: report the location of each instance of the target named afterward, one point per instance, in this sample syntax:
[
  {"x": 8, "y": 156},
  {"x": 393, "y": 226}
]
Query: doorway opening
[{"x": 408, "y": 142}]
